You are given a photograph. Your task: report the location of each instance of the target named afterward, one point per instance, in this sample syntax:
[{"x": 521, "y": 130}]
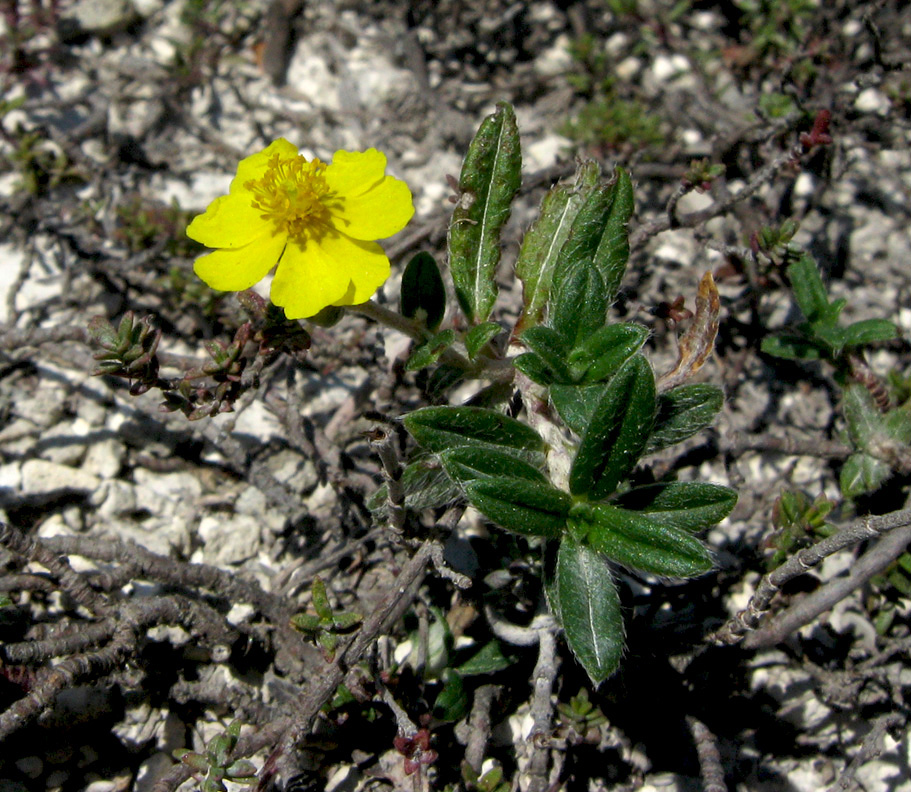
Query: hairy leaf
[
  {"x": 578, "y": 303},
  {"x": 489, "y": 180},
  {"x": 613, "y": 250},
  {"x": 551, "y": 347},
  {"x": 576, "y": 403},
  {"x": 689, "y": 506},
  {"x": 682, "y": 412},
  {"x": 428, "y": 353},
  {"x": 584, "y": 599},
  {"x": 441, "y": 428},
  {"x": 479, "y": 336},
  {"x": 469, "y": 463},
  {"x": 543, "y": 241},
  {"x": 599, "y": 234},
  {"x": 865, "y": 421},
  {"x": 862, "y": 473},
  {"x": 423, "y": 290},
  {"x": 599, "y": 355},
  {"x": 521, "y": 506},
  {"x": 636, "y": 541},
  {"x": 870, "y": 331},
  {"x": 809, "y": 290},
  {"x": 616, "y": 434},
  {"x": 790, "y": 347}
]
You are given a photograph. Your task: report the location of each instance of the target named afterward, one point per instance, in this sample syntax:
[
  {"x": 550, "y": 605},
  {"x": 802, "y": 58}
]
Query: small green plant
[
  {"x": 561, "y": 478},
  {"x": 215, "y": 766},
  {"x": 142, "y": 224},
  {"x": 880, "y": 433},
  {"x": 612, "y": 123},
  {"x": 607, "y": 120},
  {"x": 777, "y": 28},
  {"x": 326, "y": 625},
  {"x": 701, "y": 174},
  {"x": 798, "y": 521},
  {"x": 581, "y": 717},
  {"x": 776, "y": 105},
  {"x": 773, "y": 240},
  {"x": 822, "y": 336}
]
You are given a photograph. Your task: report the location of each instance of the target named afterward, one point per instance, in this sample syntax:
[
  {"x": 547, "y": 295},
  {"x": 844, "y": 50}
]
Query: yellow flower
[{"x": 316, "y": 221}]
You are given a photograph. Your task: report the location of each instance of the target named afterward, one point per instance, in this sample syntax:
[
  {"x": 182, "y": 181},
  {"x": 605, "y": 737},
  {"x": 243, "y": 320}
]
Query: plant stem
[{"x": 391, "y": 319}]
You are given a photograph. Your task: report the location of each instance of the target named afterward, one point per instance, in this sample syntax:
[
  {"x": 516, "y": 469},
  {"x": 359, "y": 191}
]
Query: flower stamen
[{"x": 292, "y": 195}]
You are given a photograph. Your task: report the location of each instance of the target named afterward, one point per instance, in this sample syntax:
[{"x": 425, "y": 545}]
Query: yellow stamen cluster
[{"x": 292, "y": 196}]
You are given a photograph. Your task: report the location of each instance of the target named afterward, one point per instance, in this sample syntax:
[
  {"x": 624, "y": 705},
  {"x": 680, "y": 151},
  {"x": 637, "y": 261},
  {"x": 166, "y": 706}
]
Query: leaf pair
[
  {"x": 498, "y": 464},
  {"x": 579, "y": 237},
  {"x": 579, "y": 583}
]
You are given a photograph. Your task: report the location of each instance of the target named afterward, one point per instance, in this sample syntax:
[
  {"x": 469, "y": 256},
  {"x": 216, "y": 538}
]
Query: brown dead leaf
[{"x": 698, "y": 341}]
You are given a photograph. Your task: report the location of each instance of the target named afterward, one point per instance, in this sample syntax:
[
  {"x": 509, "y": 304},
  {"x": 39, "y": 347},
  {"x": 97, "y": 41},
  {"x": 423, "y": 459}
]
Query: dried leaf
[{"x": 698, "y": 341}]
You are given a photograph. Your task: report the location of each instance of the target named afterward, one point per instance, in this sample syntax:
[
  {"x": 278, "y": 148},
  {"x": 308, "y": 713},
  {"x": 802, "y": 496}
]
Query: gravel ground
[{"x": 123, "y": 118}]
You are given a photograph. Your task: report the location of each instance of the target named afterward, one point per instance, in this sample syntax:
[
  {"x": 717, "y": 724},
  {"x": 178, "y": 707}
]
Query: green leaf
[
  {"x": 320, "y": 599},
  {"x": 441, "y": 428},
  {"x": 102, "y": 333},
  {"x": 242, "y": 768},
  {"x": 791, "y": 347},
  {"x": 613, "y": 251},
  {"x": 599, "y": 234},
  {"x": 636, "y": 541},
  {"x": 616, "y": 434},
  {"x": 533, "y": 367},
  {"x": 442, "y": 379},
  {"x": 306, "y": 622},
  {"x": 543, "y": 241},
  {"x": 489, "y": 180},
  {"x": 487, "y": 660},
  {"x": 469, "y": 463},
  {"x": 479, "y": 336},
  {"x": 452, "y": 701},
  {"x": 830, "y": 335},
  {"x": 585, "y": 235},
  {"x": 897, "y": 425},
  {"x": 809, "y": 290},
  {"x": 578, "y": 304},
  {"x": 682, "y": 412},
  {"x": 688, "y": 506},
  {"x": 576, "y": 404},
  {"x": 423, "y": 291},
  {"x": 584, "y": 599},
  {"x": 552, "y": 348},
  {"x": 870, "y": 331},
  {"x": 426, "y": 486},
  {"x": 862, "y": 473},
  {"x": 521, "y": 506},
  {"x": 428, "y": 354},
  {"x": 865, "y": 421},
  {"x": 599, "y": 355}
]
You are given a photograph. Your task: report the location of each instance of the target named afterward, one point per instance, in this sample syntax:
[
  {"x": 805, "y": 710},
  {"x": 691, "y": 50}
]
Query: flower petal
[
  {"x": 239, "y": 269},
  {"x": 373, "y": 206},
  {"x": 336, "y": 270},
  {"x": 230, "y": 222}
]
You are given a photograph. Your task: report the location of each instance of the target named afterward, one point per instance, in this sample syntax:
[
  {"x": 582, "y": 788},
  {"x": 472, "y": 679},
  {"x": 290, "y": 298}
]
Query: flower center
[{"x": 292, "y": 194}]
